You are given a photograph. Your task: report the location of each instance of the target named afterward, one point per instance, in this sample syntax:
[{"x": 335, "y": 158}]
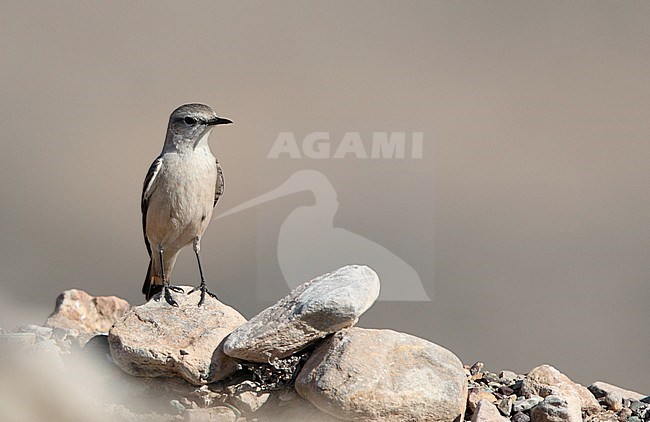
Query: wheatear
[{"x": 181, "y": 188}]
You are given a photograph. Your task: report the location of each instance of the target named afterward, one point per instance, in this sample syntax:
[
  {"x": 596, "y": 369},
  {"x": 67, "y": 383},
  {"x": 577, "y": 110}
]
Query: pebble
[
  {"x": 505, "y": 405},
  {"x": 507, "y": 376},
  {"x": 506, "y": 391},
  {"x": 526, "y": 404},
  {"x": 520, "y": 417}
]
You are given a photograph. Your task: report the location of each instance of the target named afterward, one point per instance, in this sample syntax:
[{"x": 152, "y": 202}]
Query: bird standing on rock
[{"x": 180, "y": 191}]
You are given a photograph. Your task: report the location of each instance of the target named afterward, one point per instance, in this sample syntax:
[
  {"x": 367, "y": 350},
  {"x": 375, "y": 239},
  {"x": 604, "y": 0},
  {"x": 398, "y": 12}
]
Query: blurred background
[{"x": 526, "y": 217}]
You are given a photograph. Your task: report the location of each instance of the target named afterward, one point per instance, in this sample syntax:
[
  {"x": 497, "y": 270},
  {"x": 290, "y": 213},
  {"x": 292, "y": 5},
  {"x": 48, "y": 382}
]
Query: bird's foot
[
  {"x": 204, "y": 290},
  {"x": 168, "y": 296}
]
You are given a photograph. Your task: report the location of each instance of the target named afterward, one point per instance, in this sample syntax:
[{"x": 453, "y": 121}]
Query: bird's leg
[
  {"x": 166, "y": 287},
  {"x": 201, "y": 287}
]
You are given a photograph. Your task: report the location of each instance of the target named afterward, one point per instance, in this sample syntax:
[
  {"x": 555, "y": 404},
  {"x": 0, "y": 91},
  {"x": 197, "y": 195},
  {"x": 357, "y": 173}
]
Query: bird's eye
[{"x": 190, "y": 120}]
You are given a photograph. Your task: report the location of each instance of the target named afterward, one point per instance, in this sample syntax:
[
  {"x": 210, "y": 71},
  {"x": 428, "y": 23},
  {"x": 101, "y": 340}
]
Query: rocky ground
[{"x": 302, "y": 359}]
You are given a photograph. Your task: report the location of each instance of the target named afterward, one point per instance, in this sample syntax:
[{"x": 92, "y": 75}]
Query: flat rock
[
  {"x": 602, "y": 389},
  {"x": 383, "y": 375},
  {"x": 553, "y": 409},
  {"x": 159, "y": 340},
  {"x": 76, "y": 309},
  {"x": 487, "y": 412},
  {"x": 310, "y": 312},
  {"x": 545, "y": 380},
  {"x": 526, "y": 404}
]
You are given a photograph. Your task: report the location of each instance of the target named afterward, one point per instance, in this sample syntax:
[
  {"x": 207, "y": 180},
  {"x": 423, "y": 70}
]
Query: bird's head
[{"x": 190, "y": 125}]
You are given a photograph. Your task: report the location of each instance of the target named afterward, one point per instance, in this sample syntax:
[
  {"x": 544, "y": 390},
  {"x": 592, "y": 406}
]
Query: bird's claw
[
  {"x": 204, "y": 290},
  {"x": 168, "y": 296},
  {"x": 176, "y": 289}
]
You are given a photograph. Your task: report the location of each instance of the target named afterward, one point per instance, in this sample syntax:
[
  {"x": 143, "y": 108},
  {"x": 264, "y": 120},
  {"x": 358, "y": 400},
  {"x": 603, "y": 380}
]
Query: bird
[{"x": 180, "y": 190}]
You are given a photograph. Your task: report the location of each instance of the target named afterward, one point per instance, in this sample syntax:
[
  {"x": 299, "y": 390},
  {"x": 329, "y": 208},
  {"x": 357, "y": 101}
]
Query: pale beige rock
[
  {"x": 545, "y": 380},
  {"x": 159, "y": 340},
  {"x": 602, "y": 389},
  {"x": 487, "y": 412},
  {"x": 249, "y": 401},
  {"x": 383, "y": 375},
  {"x": 310, "y": 312},
  {"x": 76, "y": 309}
]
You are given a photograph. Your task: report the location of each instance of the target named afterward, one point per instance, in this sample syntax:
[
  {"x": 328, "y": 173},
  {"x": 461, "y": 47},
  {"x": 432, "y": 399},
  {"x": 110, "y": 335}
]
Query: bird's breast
[{"x": 184, "y": 196}]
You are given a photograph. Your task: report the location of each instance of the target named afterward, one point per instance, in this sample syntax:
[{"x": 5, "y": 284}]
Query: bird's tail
[{"x": 152, "y": 283}]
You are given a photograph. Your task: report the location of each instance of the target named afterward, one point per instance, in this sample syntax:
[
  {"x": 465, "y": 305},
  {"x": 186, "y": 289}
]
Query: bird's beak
[{"x": 219, "y": 121}]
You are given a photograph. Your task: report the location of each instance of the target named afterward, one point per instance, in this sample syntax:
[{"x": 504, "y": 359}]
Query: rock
[
  {"x": 382, "y": 375},
  {"x": 545, "y": 380},
  {"x": 520, "y": 417},
  {"x": 477, "y": 368},
  {"x": 508, "y": 376},
  {"x": 211, "y": 414},
  {"x": 526, "y": 404},
  {"x": 602, "y": 389},
  {"x": 614, "y": 400},
  {"x": 43, "y": 333},
  {"x": 310, "y": 312},
  {"x": 487, "y": 412},
  {"x": 505, "y": 405},
  {"x": 506, "y": 391},
  {"x": 250, "y": 401},
  {"x": 159, "y": 340},
  {"x": 475, "y": 395},
  {"x": 553, "y": 409},
  {"x": 78, "y": 310}
]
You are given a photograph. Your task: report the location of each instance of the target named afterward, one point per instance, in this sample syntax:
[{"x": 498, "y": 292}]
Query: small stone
[
  {"x": 476, "y": 368},
  {"x": 506, "y": 391},
  {"x": 487, "y": 412},
  {"x": 383, "y": 375},
  {"x": 507, "y": 376},
  {"x": 148, "y": 341},
  {"x": 614, "y": 400},
  {"x": 553, "y": 409},
  {"x": 634, "y": 419},
  {"x": 250, "y": 401},
  {"x": 310, "y": 312},
  {"x": 520, "y": 417},
  {"x": 524, "y": 405},
  {"x": 505, "y": 405},
  {"x": 78, "y": 310},
  {"x": 491, "y": 378},
  {"x": 636, "y": 406}
]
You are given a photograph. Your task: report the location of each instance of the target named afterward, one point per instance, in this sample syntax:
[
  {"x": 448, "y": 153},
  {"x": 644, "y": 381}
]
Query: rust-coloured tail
[{"x": 152, "y": 284}]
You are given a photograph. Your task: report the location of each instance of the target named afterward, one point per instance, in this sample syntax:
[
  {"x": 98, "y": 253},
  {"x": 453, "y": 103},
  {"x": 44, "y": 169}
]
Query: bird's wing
[
  {"x": 218, "y": 189},
  {"x": 148, "y": 187}
]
